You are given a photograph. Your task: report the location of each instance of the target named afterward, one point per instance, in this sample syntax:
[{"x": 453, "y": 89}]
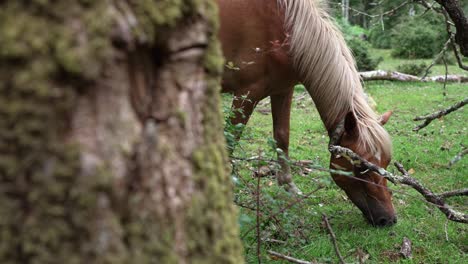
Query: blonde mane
[{"x": 328, "y": 70}]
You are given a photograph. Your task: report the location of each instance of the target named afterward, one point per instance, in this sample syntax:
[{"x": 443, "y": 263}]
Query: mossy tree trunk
[{"x": 111, "y": 146}]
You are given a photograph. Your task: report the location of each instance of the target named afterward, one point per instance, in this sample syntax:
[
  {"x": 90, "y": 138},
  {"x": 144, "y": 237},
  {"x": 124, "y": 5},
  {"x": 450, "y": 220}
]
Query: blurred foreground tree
[{"x": 111, "y": 144}]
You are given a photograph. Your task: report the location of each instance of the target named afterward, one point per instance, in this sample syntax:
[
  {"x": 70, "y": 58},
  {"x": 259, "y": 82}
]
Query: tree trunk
[{"x": 111, "y": 144}]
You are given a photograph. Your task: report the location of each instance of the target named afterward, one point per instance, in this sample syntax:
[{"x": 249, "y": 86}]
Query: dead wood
[
  {"x": 429, "y": 118},
  {"x": 406, "y": 179},
  {"x": 381, "y": 75}
]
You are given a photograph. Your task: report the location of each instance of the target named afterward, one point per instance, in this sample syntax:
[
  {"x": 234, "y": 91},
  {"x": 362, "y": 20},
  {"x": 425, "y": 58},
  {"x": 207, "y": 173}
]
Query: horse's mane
[{"x": 328, "y": 70}]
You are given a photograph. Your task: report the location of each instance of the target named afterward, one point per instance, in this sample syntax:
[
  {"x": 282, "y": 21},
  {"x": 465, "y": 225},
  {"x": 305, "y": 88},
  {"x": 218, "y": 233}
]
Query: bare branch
[
  {"x": 288, "y": 258},
  {"x": 457, "y": 158},
  {"x": 298, "y": 200},
  {"x": 462, "y": 192},
  {"x": 333, "y": 238},
  {"x": 386, "y": 13},
  {"x": 429, "y": 118},
  {"x": 437, "y": 58},
  {"x": 432, "y": 198}
]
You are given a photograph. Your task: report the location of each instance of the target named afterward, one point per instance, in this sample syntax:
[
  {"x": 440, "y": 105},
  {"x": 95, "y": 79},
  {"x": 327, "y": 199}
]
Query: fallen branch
[
  {"x": 462, "y": 192},
  {"x": 432, "y": 198},
  {"x": 381, "y": 75},
  {"x": 333, "y": 238},
  {"x": 457, "y": 158},
  {"x": 288, "y": 258},
  {"x": 429, "y": 118}
]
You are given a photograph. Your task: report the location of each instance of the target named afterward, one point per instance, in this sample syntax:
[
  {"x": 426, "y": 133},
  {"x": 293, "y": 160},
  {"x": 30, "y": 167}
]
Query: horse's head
[{"x": 369, "y": 191}]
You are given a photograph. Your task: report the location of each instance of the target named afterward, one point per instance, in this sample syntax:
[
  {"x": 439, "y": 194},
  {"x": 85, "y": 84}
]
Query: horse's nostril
[{"x": 384, "y": 221}]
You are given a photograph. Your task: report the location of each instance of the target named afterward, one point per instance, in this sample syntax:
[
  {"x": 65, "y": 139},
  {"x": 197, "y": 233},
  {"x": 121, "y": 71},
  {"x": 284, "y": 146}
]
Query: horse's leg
[
  {"x": 281, "y": 111},
  {"x": 243, "y": 106}
]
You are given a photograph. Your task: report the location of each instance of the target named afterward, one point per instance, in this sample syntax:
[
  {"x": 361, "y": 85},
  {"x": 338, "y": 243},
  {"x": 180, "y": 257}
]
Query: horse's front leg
[
  {"x": 242, "y": 106},
  {"x": 281, "y": 111}
]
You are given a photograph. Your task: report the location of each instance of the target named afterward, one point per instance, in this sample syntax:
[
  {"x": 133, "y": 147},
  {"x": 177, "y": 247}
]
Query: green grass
[
  {"x": 299, "y": 227},
  {"x": 390, "y": 63}
]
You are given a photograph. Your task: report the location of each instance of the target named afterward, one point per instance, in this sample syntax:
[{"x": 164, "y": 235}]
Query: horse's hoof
[{"x": 292, "y": 188}]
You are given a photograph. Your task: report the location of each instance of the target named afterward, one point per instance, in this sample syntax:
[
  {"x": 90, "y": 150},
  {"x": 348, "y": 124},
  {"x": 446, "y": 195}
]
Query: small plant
[{"x": 412, "y": 68}]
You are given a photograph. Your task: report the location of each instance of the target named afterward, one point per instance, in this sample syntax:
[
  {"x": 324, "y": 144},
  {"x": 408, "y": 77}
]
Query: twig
[
  {"x": 437, "y": 58},
  {"x": 429, "y": 118},
  {"x": 257, "y": 225},
  {"x": 462, "y": 192},
  {"x": 388, "y": 12},
  {"x": 444, "y": 93},
  {"x": 457, "y": 158},
  {"x": 432, "y": 198},
  {"x": 333, "y": 238},
  {"x": 291, "y": 204},
  {"x": 290, "y": 259},
  {"x": 446, "y": 231},
  {"x": 270, "y": 240}
]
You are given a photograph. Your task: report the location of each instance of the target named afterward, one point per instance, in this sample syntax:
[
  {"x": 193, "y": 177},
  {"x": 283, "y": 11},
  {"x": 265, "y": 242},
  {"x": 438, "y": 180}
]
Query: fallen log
[{"x": 381, "y": 75}]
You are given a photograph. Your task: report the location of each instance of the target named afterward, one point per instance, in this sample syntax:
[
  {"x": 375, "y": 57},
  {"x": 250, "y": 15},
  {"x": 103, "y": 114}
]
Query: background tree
[{"x": 111, "y": 147}]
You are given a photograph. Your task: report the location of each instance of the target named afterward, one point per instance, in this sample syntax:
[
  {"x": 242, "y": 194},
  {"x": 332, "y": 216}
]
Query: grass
[{"x": 297, "y": 231}]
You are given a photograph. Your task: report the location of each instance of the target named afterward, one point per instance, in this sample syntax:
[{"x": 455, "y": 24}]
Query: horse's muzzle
[{"x": 383, "y": 221}]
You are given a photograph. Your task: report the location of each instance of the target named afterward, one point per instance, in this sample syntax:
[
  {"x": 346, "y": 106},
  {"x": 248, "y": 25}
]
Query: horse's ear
[
  {"x": 350, "y": 123},
  {"x": 384, "y": 118}
]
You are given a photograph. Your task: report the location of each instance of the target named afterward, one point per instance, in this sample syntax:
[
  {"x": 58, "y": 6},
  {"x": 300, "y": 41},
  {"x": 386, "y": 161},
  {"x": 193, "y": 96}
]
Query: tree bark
[
  {"x": 111, "y": 144},
  {"x": 455, "y": 12}
]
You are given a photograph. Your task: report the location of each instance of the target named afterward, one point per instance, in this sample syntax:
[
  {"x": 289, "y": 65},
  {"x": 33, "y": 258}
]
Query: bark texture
[
  {"x": 111, "y": 145},
  {"x": 455, "y": 12}
]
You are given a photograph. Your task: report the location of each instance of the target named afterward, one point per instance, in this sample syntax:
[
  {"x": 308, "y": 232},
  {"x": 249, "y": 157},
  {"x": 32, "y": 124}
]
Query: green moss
[
  {"x": 50, "y": 51},
  {"x": 45, "y": 207},
  {"x": 213, "y": 224}
]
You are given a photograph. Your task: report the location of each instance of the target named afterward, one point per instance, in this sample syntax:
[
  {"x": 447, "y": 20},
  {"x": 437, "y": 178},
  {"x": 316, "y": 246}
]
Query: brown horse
[{"x": 271, "y": 45}]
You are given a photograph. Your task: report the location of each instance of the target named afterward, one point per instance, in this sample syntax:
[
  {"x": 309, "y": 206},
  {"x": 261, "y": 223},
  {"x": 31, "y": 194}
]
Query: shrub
[
  {"x": 417, "y": 37},
  {"x": 412, "y": 68},
  {"x": 354, "y": 36},
  {"x": 379, "y": 38},
  {"x": 360, "y": 48}
]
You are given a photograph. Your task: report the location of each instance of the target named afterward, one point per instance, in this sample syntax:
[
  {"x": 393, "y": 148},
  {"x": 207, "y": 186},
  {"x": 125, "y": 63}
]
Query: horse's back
[{"x": 255, "y": 46}]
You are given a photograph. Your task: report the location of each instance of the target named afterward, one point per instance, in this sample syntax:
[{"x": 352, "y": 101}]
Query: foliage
[
  {"x": 364, "y": 60},
  {"x": 412, "y": 68},
  {"x": 380, "y": 38},
  {"x": 418, "y": 37},
  {"x": 354, "y": 36}
]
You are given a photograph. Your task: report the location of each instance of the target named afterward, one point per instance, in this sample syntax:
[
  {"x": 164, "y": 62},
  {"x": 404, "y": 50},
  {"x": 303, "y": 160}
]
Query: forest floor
[{"x": 294, "y": 227}]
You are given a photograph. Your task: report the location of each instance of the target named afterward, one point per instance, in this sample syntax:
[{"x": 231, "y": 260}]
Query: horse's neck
[{"x": 322, "y": 59}]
